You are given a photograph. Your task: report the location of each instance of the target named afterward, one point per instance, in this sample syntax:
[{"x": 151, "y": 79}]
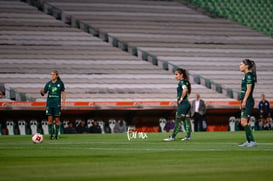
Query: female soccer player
[
  {"x": 248, "y": 67},
  {"x": 183, "y": 105},
  {"x": 55, "y": 88}
]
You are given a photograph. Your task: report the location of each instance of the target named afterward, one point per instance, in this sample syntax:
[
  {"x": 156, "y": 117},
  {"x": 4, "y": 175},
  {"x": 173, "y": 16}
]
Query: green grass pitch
[{"x": 209, "y": 156}]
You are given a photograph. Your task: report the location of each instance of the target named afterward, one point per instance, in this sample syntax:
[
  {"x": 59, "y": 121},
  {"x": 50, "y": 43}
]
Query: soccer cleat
[
  {"x": 56, "y": 137},
  {"x": 169, "y": 139},
  {"x": 51, "y": 137},
  {"x": 186, "y": 139},
  {"x": 244, "y": 144},
  {"x": 251, "y": 144}
]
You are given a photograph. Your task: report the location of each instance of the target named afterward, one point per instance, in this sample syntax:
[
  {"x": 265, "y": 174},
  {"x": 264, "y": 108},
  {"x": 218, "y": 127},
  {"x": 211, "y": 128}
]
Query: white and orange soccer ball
[{"x": 37, "y": 138}]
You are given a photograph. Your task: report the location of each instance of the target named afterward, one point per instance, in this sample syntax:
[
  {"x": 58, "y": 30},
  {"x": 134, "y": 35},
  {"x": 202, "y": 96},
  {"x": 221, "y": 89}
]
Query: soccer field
[{"x": 209, "y": 156}]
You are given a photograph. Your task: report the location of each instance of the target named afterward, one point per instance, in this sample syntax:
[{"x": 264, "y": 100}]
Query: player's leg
[
  {"x": 245, "y": 115},
  {"x": 50, "y": 126},
  {"x": 57, "y": 114},
  {"x": 177, "y": 127},
  {"x": 187, "y": 123},
  {"x": 50, "y": 121},
  {"x": 248, "y": 131},
  {"x": 182, "y": 115},
  {"x": 182, "y": 110},
  {"x": 57, "y": 127},
  {"x": 187, "y": 126}
]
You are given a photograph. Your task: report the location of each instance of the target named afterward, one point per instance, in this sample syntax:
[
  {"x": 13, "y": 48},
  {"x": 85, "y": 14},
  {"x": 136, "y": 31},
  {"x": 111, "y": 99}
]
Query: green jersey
[
  {"x": 182, "y": 85},
  {"x": 54, "y": 92},
  {"x": 249, "y": 79}
]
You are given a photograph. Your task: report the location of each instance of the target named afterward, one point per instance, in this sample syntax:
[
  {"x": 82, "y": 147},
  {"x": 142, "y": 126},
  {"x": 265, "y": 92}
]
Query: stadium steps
[
  {"x": 91, "y": 69},
  {"x": 114, "y": 86},
  {"x": 117, "y": 92},
  {"x": 114, "y": 27}
]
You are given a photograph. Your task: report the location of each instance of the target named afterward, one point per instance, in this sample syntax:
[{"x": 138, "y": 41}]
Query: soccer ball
[{"x": 37, "y": 138}]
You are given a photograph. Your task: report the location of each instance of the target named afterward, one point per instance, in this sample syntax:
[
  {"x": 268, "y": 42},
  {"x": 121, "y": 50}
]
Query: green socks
[
  {"x": 187, "y": 125},
  {"x": 50, "y": 129},
  {"x": 57, "y": 128},
  {"x": 177, "y": 127},
  {"x": 249, "y": 135},
  {"x": 53, "y": 131}
]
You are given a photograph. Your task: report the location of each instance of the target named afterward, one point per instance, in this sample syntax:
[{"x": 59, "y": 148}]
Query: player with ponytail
[
  {"x": 183, "y": 105},
  {"x": 55, "y": 101},
  {"x": 248, "y": 67}
]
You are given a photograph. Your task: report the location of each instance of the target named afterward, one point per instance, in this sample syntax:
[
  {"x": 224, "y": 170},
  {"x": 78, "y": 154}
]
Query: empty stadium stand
[
  {"x": 253, "y": 13},
  {"x": 33, "y": 44},
  {"x": 171, "y": 35}
]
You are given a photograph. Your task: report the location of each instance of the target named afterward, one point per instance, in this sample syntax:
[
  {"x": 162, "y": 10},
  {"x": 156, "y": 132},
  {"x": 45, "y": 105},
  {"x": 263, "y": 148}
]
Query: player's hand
[
  {"x": 42, "y": 92},
  {"x": 243, "y": 105},
  {"x": 62, "y": 105}
]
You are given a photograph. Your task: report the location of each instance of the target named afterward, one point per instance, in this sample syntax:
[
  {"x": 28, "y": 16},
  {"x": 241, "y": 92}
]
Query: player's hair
[
  {"x": 57, "y": 73},
  {"x": 186, "y": 77},
  {"x": 251, "y": 66}
]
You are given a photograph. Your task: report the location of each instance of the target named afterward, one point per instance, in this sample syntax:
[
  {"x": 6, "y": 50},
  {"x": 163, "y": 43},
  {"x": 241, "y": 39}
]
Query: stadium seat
[
  {"x": 234, "y": 124},
  {"x": 231, "y": 124},
  {"x": 112, "y": 123},
  {"x": 34, "y": 126},
  {"x": 44, "y": 127},
  {"x": 65, "y": 124},
  {"x": 22, "y": 127},
  {"x": 77, "y": 122},
  {"x": 162, "y": 124},
  {"x": 10, "y": 126},
  {"x": 90, "y": 122},
  {"x": 101, "y": 124}
]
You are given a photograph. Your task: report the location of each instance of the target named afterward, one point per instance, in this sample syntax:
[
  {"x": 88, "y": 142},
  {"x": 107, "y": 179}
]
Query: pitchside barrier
[
  {"x": 24, "y": 125},
  {"x": 140, "y": 105}
]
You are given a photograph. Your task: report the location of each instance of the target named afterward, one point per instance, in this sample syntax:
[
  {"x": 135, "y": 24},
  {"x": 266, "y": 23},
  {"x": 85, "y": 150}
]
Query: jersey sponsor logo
[{"x": 54, "y": 90}]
